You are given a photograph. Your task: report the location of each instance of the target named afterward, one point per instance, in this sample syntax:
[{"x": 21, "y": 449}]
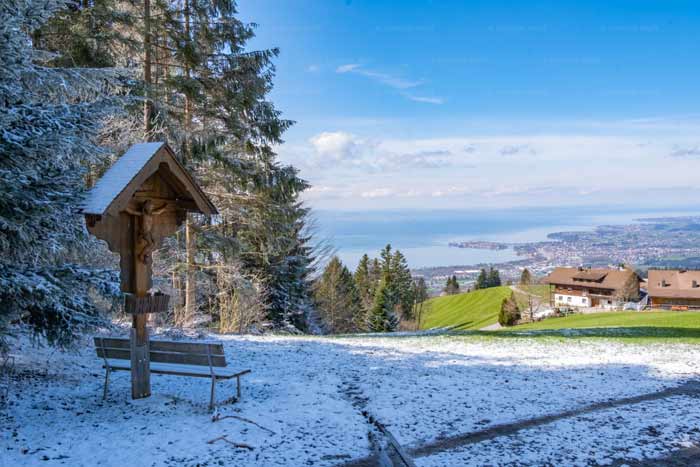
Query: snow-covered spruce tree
[
  {"x": 210, "y": 102},
  {"x": 48, "y": 119}
]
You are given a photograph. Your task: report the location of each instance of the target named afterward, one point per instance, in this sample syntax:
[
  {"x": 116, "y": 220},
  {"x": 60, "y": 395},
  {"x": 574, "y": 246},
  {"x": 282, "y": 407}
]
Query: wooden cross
[{"x": 121, "y": 209}]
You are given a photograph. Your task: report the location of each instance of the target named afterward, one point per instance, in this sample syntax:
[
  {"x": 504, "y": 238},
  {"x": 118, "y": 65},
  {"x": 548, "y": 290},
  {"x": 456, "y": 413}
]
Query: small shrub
[{"x": 510, "y": 312}]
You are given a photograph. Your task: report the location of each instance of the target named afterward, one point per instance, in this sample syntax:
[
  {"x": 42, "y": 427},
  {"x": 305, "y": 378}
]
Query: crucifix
[
  {"x": 145, "y": 229},
  {"x": 121, "y": 209}
]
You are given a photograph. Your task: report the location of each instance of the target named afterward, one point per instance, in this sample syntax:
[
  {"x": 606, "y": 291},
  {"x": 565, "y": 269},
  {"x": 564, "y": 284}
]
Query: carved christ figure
[{"x": 145, "y": 234}]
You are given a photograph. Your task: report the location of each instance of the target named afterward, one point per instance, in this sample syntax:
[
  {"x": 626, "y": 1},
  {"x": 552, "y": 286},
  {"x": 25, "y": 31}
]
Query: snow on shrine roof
[{"x": 118, "y": 177}]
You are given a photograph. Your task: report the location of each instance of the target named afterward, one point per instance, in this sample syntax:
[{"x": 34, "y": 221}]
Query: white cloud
[
  {"x": 335, "y": 146},
  {"x": 401, "y": 84},
  {"x": 384, "y": 78},
  {"x": 378, "y": 193},
  {"x": 347, "y": 68},
  {"x": 511, "y": 150},
  {"x": 472, "y": 171},
  {"x": 427, "y": 100},
  {"x": 313, "y": 68},
  {"x": 685, "y": 151}
]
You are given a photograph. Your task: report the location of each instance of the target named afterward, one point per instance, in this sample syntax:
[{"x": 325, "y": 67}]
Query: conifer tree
[
  {"x": 364, "y": 283},
  {"x": 375, "y": 275},
  {"x": 48, "y": 120},
  {"x": 525, "y": 277},
  {"x": 208, "y": 97},
  {"x": 336, "y": 298},
  {"x": 402, "y": 283},
  {"x": 482, "y": 281},
  {"x": 493, "y": 278},
  {"x": 381, "y": 317}
]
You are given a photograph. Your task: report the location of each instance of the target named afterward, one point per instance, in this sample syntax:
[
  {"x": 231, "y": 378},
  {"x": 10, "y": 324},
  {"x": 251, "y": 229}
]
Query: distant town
[{"x": 665, "y": 242}]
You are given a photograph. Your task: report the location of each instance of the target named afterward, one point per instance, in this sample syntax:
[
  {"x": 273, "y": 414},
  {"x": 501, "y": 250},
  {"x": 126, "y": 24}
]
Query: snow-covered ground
[{"x": 433, "y": 392}]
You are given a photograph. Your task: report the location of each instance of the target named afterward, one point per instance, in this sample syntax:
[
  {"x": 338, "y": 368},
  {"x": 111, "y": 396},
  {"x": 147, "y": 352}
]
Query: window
[
  {"x": 584, "y": 300},
  {"x": 568, "y": 299}
]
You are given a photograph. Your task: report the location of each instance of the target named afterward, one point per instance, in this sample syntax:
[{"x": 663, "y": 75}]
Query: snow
[
  {"x": 118, "y": 177},
  {"x": 310, "y": 392}
]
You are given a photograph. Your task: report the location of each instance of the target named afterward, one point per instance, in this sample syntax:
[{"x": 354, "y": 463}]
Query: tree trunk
[
  {"x": 188, "y": 75},
  {"x": 190, "y": 281},
  {"x": 148, "y": 103}
]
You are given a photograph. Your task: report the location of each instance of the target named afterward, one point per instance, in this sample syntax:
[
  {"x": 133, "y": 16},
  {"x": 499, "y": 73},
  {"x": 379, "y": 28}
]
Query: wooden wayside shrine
[{"x": 142, "y": 198}]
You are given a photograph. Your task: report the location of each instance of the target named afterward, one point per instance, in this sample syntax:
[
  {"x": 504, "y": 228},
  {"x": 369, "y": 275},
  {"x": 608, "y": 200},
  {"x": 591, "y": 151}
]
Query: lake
[{"x": 423, "y": 236}]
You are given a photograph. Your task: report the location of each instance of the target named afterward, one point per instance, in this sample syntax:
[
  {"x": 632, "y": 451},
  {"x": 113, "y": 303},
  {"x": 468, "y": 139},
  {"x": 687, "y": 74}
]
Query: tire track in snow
[
  {"x": 507, "y": 429},
  {"x": 447, "y": 444},
  {"x": 386, "y": 450}
]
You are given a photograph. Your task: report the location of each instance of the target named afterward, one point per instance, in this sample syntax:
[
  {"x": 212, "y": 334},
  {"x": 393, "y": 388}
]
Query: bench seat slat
[
  {"x": 217, "y": 347},
  {"x": 179, "y": 369},
  {"x": 165, "y": 357}
]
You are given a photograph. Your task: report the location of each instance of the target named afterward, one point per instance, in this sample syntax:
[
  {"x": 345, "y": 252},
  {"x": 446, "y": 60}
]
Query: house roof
[
  {"x": 127, "y": 174},
  {"x": 610, "y": 279},
  {"x": 674, "y": 284}
]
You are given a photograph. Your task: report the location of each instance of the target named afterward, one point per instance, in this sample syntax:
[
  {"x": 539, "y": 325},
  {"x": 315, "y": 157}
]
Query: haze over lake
[{"x": 423, "y": 236}]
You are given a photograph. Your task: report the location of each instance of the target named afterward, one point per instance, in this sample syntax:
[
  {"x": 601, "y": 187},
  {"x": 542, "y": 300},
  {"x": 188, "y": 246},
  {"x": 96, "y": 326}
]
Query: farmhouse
[
  {"x": 674, "y": 289},
  {"x": 592, "y": 288}
]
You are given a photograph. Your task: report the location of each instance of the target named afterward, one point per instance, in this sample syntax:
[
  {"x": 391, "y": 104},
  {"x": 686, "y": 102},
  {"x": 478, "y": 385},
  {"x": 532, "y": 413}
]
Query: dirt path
[{"x": 515, "y": 288}]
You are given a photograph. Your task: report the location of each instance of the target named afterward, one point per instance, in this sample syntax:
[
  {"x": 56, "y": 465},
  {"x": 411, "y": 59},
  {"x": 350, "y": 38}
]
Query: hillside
[
  {"x": 473, "y": 310},
  {"x": 662, "y": 326}
]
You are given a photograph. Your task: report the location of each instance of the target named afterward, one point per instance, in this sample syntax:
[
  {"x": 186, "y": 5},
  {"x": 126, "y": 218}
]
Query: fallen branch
[
  {"x": 232, "y": 443},
  {"x": 217, "y": 416}
]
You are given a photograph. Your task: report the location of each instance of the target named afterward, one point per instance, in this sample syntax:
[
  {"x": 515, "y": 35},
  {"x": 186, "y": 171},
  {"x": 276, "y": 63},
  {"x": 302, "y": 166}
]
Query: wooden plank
[
  {"x": 218, "y": 361},
  {"x": 217, "y": 348},
  {"x": 119, "y": 354},
  {"x": 181, "y": 370},
  {"x": 187, "y": 359},
  {"x": 112, "y": 342}
]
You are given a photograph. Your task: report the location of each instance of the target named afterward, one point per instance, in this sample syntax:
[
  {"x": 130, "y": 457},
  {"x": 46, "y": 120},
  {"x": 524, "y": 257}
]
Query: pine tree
[
  {"x": 493, "y": 278},
  {"x": 364, "y": 283},
  {"x": 402, "y": 285},
  {"x": 208, "y": 97},
  {"x": 385, "y": 260},
  {"x": 381, "y": 317},
  {"x": 375, "y": 275},
  {"x": 48, "y": 120},
  {"x": 482, "y": 281},
  {"x": 452, "y": 286},
  {"x": 337, "y": 299}
]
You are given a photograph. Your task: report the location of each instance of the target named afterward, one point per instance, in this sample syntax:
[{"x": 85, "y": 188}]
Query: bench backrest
[{"x": 183, "y": 353}]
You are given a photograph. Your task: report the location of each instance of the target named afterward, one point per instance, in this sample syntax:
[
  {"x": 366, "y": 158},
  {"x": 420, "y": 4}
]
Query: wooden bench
[{"x": 196, "y": 359}]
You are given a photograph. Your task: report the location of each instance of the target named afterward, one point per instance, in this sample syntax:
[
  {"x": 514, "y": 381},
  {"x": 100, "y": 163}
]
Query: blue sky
[{"x": 450, "y": 104}]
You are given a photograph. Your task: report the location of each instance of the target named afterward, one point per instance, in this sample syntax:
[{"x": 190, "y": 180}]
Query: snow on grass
[{"x": 423, "y": 389}]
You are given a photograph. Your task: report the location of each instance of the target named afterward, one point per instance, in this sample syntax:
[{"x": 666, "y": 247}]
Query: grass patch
[
  {"x": 661, "y": 326},
  {"x": 466, "y": 311}
]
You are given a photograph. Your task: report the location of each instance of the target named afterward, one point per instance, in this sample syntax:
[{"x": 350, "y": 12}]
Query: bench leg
[
  {"x": 213, "y": 385},
  {"x": 238, "y": 388},
  {"x": 104, "y": 395}
]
